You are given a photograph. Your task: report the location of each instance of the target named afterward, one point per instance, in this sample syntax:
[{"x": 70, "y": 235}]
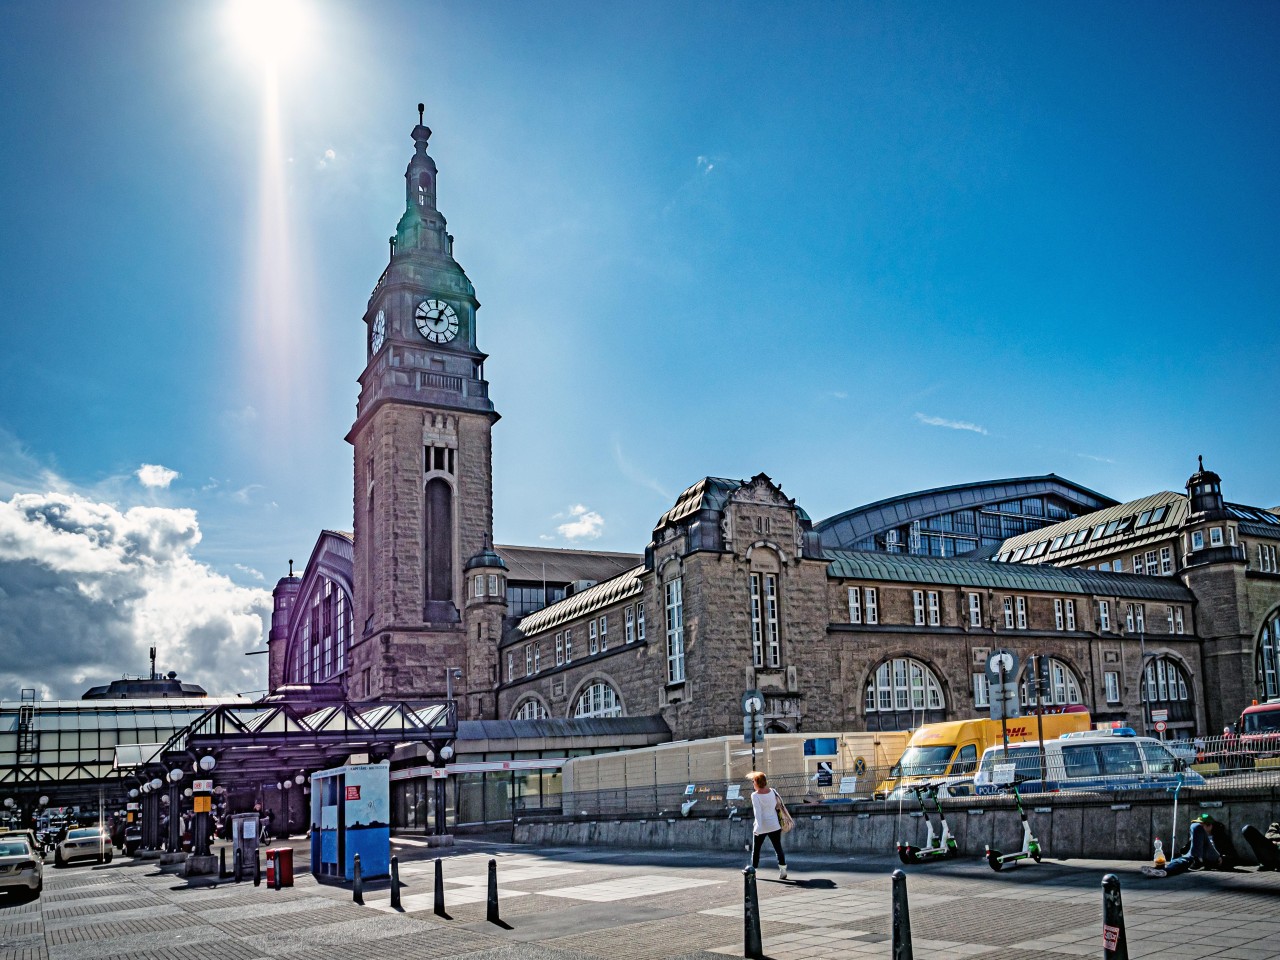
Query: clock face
[
  {"x": 436, "y": 321},
  {"x": 379, "y": 331}
]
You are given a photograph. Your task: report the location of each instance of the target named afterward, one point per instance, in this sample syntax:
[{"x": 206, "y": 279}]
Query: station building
[{"x": 878, "y": 618}]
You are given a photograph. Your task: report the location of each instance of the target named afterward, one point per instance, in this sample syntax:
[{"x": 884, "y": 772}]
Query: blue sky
[{"x": 866, "y": 248}]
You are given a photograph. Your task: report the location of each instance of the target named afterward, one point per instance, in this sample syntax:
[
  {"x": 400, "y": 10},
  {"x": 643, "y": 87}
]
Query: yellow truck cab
[{"x": 949, "y": 751}]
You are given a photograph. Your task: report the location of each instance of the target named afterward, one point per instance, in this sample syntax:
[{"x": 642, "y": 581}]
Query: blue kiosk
[{"x": 350, "y": 814}]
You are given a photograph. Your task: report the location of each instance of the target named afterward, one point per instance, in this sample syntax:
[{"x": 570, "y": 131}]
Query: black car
[{"x": 132, "y": 839}]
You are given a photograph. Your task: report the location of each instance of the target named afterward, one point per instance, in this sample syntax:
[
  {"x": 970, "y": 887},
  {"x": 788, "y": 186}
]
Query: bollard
[
  {"x": 901, "y": 918},
  {"x": 222, "y": 864},
  {"x": 439, "y": 910},
  {"x": 257, "y": 869},
  {"x": 275, "y": 869},
  {"x": 395, "y": 883},
  {"x": 235, "y": 863},
  {"x": 357, "y": 885},
  {"x": 751, "y": 915},
  {"x": 491, "y": 913},
  {"x": 1114, "y": 944}
]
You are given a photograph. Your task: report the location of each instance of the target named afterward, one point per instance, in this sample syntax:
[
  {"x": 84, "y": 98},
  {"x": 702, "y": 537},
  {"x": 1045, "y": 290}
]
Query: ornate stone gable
[{"x": 761, "y": 490}]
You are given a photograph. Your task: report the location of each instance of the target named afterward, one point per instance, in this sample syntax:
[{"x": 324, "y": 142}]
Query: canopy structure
[{"x": 270, "y": 741}]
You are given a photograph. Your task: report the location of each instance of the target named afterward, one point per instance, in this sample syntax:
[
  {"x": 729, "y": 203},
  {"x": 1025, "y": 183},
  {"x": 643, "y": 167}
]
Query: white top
[{"x": 765, "y": 806}]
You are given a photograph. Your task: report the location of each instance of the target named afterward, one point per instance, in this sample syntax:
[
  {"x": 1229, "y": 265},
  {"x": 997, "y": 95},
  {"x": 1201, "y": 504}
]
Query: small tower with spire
[
  {"x": 283, "y": 598},
  {"x": 1210, "y": 531}
]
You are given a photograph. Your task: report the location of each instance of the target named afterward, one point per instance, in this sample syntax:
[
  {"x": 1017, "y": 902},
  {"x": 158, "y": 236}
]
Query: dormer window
[{"x": 1215, "y": 536}]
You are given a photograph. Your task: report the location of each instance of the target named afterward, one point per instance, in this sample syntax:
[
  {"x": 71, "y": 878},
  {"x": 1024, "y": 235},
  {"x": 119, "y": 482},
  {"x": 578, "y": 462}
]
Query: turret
[
  {"x": 1210, "y": 529},
  {"x": 282, "y": 603}
]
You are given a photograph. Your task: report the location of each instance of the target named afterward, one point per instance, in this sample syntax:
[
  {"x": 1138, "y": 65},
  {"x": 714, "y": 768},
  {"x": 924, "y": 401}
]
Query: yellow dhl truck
[{"x": 949, "y": 752}]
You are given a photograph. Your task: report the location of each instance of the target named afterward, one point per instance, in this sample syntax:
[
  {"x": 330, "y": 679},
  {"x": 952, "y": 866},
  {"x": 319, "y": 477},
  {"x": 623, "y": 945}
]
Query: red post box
[{"x": 280, "y": 858}]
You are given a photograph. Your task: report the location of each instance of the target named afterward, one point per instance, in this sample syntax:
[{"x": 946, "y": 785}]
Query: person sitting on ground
[
  {"x": 1265, "y": 846},
  {"x": 1201, "y": 853}
]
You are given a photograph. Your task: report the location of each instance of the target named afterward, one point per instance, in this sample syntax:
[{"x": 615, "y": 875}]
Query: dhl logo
[{"x": 1019, "y": 732}]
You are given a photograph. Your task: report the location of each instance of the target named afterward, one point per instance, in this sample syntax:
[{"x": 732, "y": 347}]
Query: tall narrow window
[
  {"x": 917, "y": 606},
  {"x": 935, "y": 609},
  {"x": 1008, "y": 613},
  {"x": 675, "y": 631},
  {"x": 604, "y": 633},
  {"x": 528, "y": 659},
  {"x": 511, "y": 666},
  {"x": 630, "y": 619},
  {"x": 1170, "y": 618},
  {"x": 537, "y": 658},
  {"x": 855, "y": 605},
  {"x": 757, "y": 622},
  {"x": 493, "y": 584},
  {"x": 975, "y": 610},
  {"x": 1058, "y": 621},
  {"x": 1022, "y": 613},
  {"x": 1111, "y": 680},
  {"x": 1071, "y": 614},
  {"x": 981, "y": 690},
  {"x": 1178, "y": 625},
  {"x": 771, "y": 619},
  {"x": 1128, "y": 618},
  {"x": 640, "y": 621},
  {"x": 479, "y": 583},
  {"x": 1104, "y": 616},
  {"x": 439, "y": 541},
  {"x": 872, "y": 610},
  {"x": 568, "y": 646},
  {"x": 1166, "y": 561},
  {"x": 593, "y": 642},
  {"x": 1138, "y": 612},
  {"x": 559, "y": 649}
]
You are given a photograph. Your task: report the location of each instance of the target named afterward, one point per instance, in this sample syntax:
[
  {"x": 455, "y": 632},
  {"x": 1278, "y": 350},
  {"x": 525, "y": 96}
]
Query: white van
[{"x": 1098, "y": 761}]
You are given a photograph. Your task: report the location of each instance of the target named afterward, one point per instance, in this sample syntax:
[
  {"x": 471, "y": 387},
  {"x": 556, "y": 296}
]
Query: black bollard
[
  {"x": 257, "y": 868},
  {"x": 235, "y": 863},
  {"x": 901, "y": 918},
  {"x": 751, "y": 915},
  {"x": 395, "y": 883},
  {"x": 222, "y": 864},
  {"x": 276, "y": 871},
  {"x": 357, "y": 885},
  {"x": 439, "y": 908},
  {"x": 1114, "y": 944},
  {"x": 491, "y": 913}
]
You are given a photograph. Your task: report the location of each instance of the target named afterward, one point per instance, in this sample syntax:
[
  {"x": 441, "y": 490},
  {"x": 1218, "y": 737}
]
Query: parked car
[
  {"x": 1098, "y": 762},
  {"x": 132, "y": 839},
  {"x": 27, "y": 835},
  {"x": 83, "y": 843},
  {"x": 21, "y": 870}
]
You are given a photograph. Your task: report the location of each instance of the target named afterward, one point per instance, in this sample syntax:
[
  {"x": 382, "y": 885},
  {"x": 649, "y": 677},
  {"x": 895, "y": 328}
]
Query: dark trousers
[{"x": 758, "y": 841}]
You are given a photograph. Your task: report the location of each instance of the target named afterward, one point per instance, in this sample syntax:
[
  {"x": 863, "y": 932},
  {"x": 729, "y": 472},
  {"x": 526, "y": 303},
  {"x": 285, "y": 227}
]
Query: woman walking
[{"x": 769, "y": 813}]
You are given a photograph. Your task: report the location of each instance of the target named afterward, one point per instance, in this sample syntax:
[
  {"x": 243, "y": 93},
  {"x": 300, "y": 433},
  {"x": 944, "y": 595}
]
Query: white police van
[{"x": 1100, "y": 761}]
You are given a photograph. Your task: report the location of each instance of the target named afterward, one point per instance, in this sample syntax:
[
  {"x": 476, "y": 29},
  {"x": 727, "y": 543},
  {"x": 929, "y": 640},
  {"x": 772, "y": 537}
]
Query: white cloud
[
  {"x": 1090, "y": 456},
  {"x": 951, "y": 424},
  {"x": 585, "y": 525},
  {"x": 705, "y": 165},
  {"x": 638, "y": 476},
  {"x": 837, "y": 395},
  {"x": 154, "y": 475},
  {"x": 86, "y": 587},
  {"x": 250, "y": 571}
]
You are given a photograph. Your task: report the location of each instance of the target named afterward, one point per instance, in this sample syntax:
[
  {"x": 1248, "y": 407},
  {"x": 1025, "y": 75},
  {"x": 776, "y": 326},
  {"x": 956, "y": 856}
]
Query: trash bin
[{"x": 280, "y": 858}]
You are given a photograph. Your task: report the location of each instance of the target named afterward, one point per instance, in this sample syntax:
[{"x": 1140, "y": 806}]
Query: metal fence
[{"x": 1227, "y": 766}]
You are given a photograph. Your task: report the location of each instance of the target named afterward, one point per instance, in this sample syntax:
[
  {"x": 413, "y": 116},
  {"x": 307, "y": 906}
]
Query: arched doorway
[{"x": 1167, "y": 686}]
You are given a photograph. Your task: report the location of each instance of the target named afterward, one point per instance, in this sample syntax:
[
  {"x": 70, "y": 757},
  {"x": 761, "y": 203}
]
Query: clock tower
[{"x": 423, "y": 474}]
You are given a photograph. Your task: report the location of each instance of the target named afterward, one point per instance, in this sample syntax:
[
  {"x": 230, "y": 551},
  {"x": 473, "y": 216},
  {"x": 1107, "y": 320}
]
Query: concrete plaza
[{"x": 566, "y": 903}]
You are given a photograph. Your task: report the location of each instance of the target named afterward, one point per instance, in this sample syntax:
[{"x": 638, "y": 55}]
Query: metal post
[
  {"x": 235, "y": 861},
  {"x": 1004, "y": 722},
  {"x": 753, "y": 735},
  {"x": 1146, "y": 702},
  {"x": 357, "y": 886},
  {"x": 276, "y": 871},
  {"x": 222, "y": 864},
  {"x": 1114, "y": 944},
  {"x": 395, "y": 883},
  {"x": 1039, "y": 663},
  {"x": 439, "y": 898},
  {"x": 491, "y": 910},
  {"x": 175, "y": 818},
  {"x": 901, "y": 914},
  {"x": 751, "y": 916},
  {"x": 257, "y": 868}
]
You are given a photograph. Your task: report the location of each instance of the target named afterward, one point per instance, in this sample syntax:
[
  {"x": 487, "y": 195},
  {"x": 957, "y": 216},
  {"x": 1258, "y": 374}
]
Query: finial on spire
[
  {"x": 1201, "y": 459},
  {"x": 290, "y": 568},
  {"x": 421, "y": 108}
]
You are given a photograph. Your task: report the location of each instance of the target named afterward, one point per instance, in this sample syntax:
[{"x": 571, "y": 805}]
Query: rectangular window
[
  {"x": 975, "y": 610},
  {"x": 917, "y": 603},
  {"x": 1138, "y": 611},
  {"x": 1071, "y": 614},
  {"x": 981, "y": 690},
  {"x": 1178, "y": 625},
  {"x": 493, "y": 584},
  {"x": 1111, "y": 681},
  {"x": 1104, "y": 616},
  {"x": 568, "y": 646},
  {"x": 771, "y": 619},
  {"x": 1022, "y": 613},
  {"x": 537, "y": 658},
  {"x": 1170, "y": 613},
  {"x": 1215, "y": 536},
  {"x": 511, "y": 666},
  {"x": 1058, "y": 622},
  {"x": 479, "y": 586},
  {"x": 604, "y": 633},
  {"x": 855, "y": 605},
  {"x": 1153, "y": 566},
  {"x": 630, "y": 628},
  {"x": 872, "y": 610},
  {"x": 528, "y": 660},
  {"x": 559, "y": 649},
  {"x": 757, "y": 622},
  {"x": 1118, "y": 566},
  {"x": 593, "y": 641},
  {"x": 1137, "y": 563},
  {"x": 935, "y": 609},
  {"x": 1008, "y": 613},
  {"x": 1166, "y": 561},
  {"x": 1128, "y": 618},
  {"x": 640, "y": 621},
  {"x": 1197, "y": 539},
  {"x": 675, "y": 631}
]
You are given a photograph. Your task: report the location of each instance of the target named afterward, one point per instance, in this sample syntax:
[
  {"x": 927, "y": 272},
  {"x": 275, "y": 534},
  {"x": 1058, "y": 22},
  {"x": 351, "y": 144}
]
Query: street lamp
[
  {"x": 44, "y": 801},
  {"x": 208, "y": 762},
  {"x": 300, "y": 779},
  {"x": 175, "y": 775},
  {"x": 451, "y": 674}
]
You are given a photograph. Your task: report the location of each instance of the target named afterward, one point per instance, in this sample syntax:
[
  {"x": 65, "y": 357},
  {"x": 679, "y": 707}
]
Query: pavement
[{"x": 576, "y": 903}]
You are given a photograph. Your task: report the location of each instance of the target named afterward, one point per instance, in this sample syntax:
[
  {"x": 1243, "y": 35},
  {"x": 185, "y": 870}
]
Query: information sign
[
  {"x": 848, "y": 784},
  {"x": 824, "y": 773},
  {"x": 202, "y": 803},
  {"x": 733, "y": 792},
  {"x": 1002, "y": 773},
  {"x": 202, "y": 786},
  {"x": 1159, "y": 716}
]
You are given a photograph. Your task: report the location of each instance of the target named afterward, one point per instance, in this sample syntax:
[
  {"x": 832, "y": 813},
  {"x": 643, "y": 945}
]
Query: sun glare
[{"x": 270, "y": 31}]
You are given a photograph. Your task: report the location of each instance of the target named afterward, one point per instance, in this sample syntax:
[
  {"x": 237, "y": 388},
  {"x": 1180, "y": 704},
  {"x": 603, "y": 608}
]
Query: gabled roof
[
  {"x": 901, "y": 568},
  {"x": 559, "y": 565}
]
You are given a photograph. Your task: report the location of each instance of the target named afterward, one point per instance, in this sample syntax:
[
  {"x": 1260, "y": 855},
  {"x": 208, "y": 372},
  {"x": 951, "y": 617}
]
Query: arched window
[
  {"x": 598, "y": 700},
  {"x": 1166, "y": 686},
  {"x": 530, "y": 709},
  {"x": 1269, "y": 658},
  {"x": 903, "y": 693},
  {"x": 1063, "y": 688},
  {"x": 322, "y": 635},
  {"x": 438, "y": 518}
]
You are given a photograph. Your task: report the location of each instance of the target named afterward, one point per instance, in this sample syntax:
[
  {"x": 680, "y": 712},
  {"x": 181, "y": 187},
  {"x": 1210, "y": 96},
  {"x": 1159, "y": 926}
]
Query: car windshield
[
  {"x": 1265, "y": 721},
  {"x": 924, "y": 761},
  {"x": 83, "y": 834},
  {"x": 13, "y": 848}
]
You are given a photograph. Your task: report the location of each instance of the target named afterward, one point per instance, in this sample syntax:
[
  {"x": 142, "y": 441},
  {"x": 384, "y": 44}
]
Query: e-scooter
[
  {"x": 1030, "y": 845},
  {"x": 941, "y": 845}
]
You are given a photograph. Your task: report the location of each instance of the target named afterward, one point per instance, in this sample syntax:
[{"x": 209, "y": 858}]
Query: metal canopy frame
[{"x": 269, "y": 740}]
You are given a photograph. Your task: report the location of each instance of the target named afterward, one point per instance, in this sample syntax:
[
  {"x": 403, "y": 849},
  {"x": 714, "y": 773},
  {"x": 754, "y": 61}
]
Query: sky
[{"x": 865, "y": 248}]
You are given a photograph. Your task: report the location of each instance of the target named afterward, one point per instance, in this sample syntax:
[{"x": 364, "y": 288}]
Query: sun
[{"x": 271, "y": 32}]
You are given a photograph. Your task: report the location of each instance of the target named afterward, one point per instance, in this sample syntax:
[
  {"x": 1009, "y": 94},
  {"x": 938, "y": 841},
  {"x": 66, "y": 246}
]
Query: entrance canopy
[{"x": 253, "y": 743}]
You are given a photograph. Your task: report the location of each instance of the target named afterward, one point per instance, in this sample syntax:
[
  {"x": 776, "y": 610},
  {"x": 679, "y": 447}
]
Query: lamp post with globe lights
[{"x": 202, "y": 804}]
